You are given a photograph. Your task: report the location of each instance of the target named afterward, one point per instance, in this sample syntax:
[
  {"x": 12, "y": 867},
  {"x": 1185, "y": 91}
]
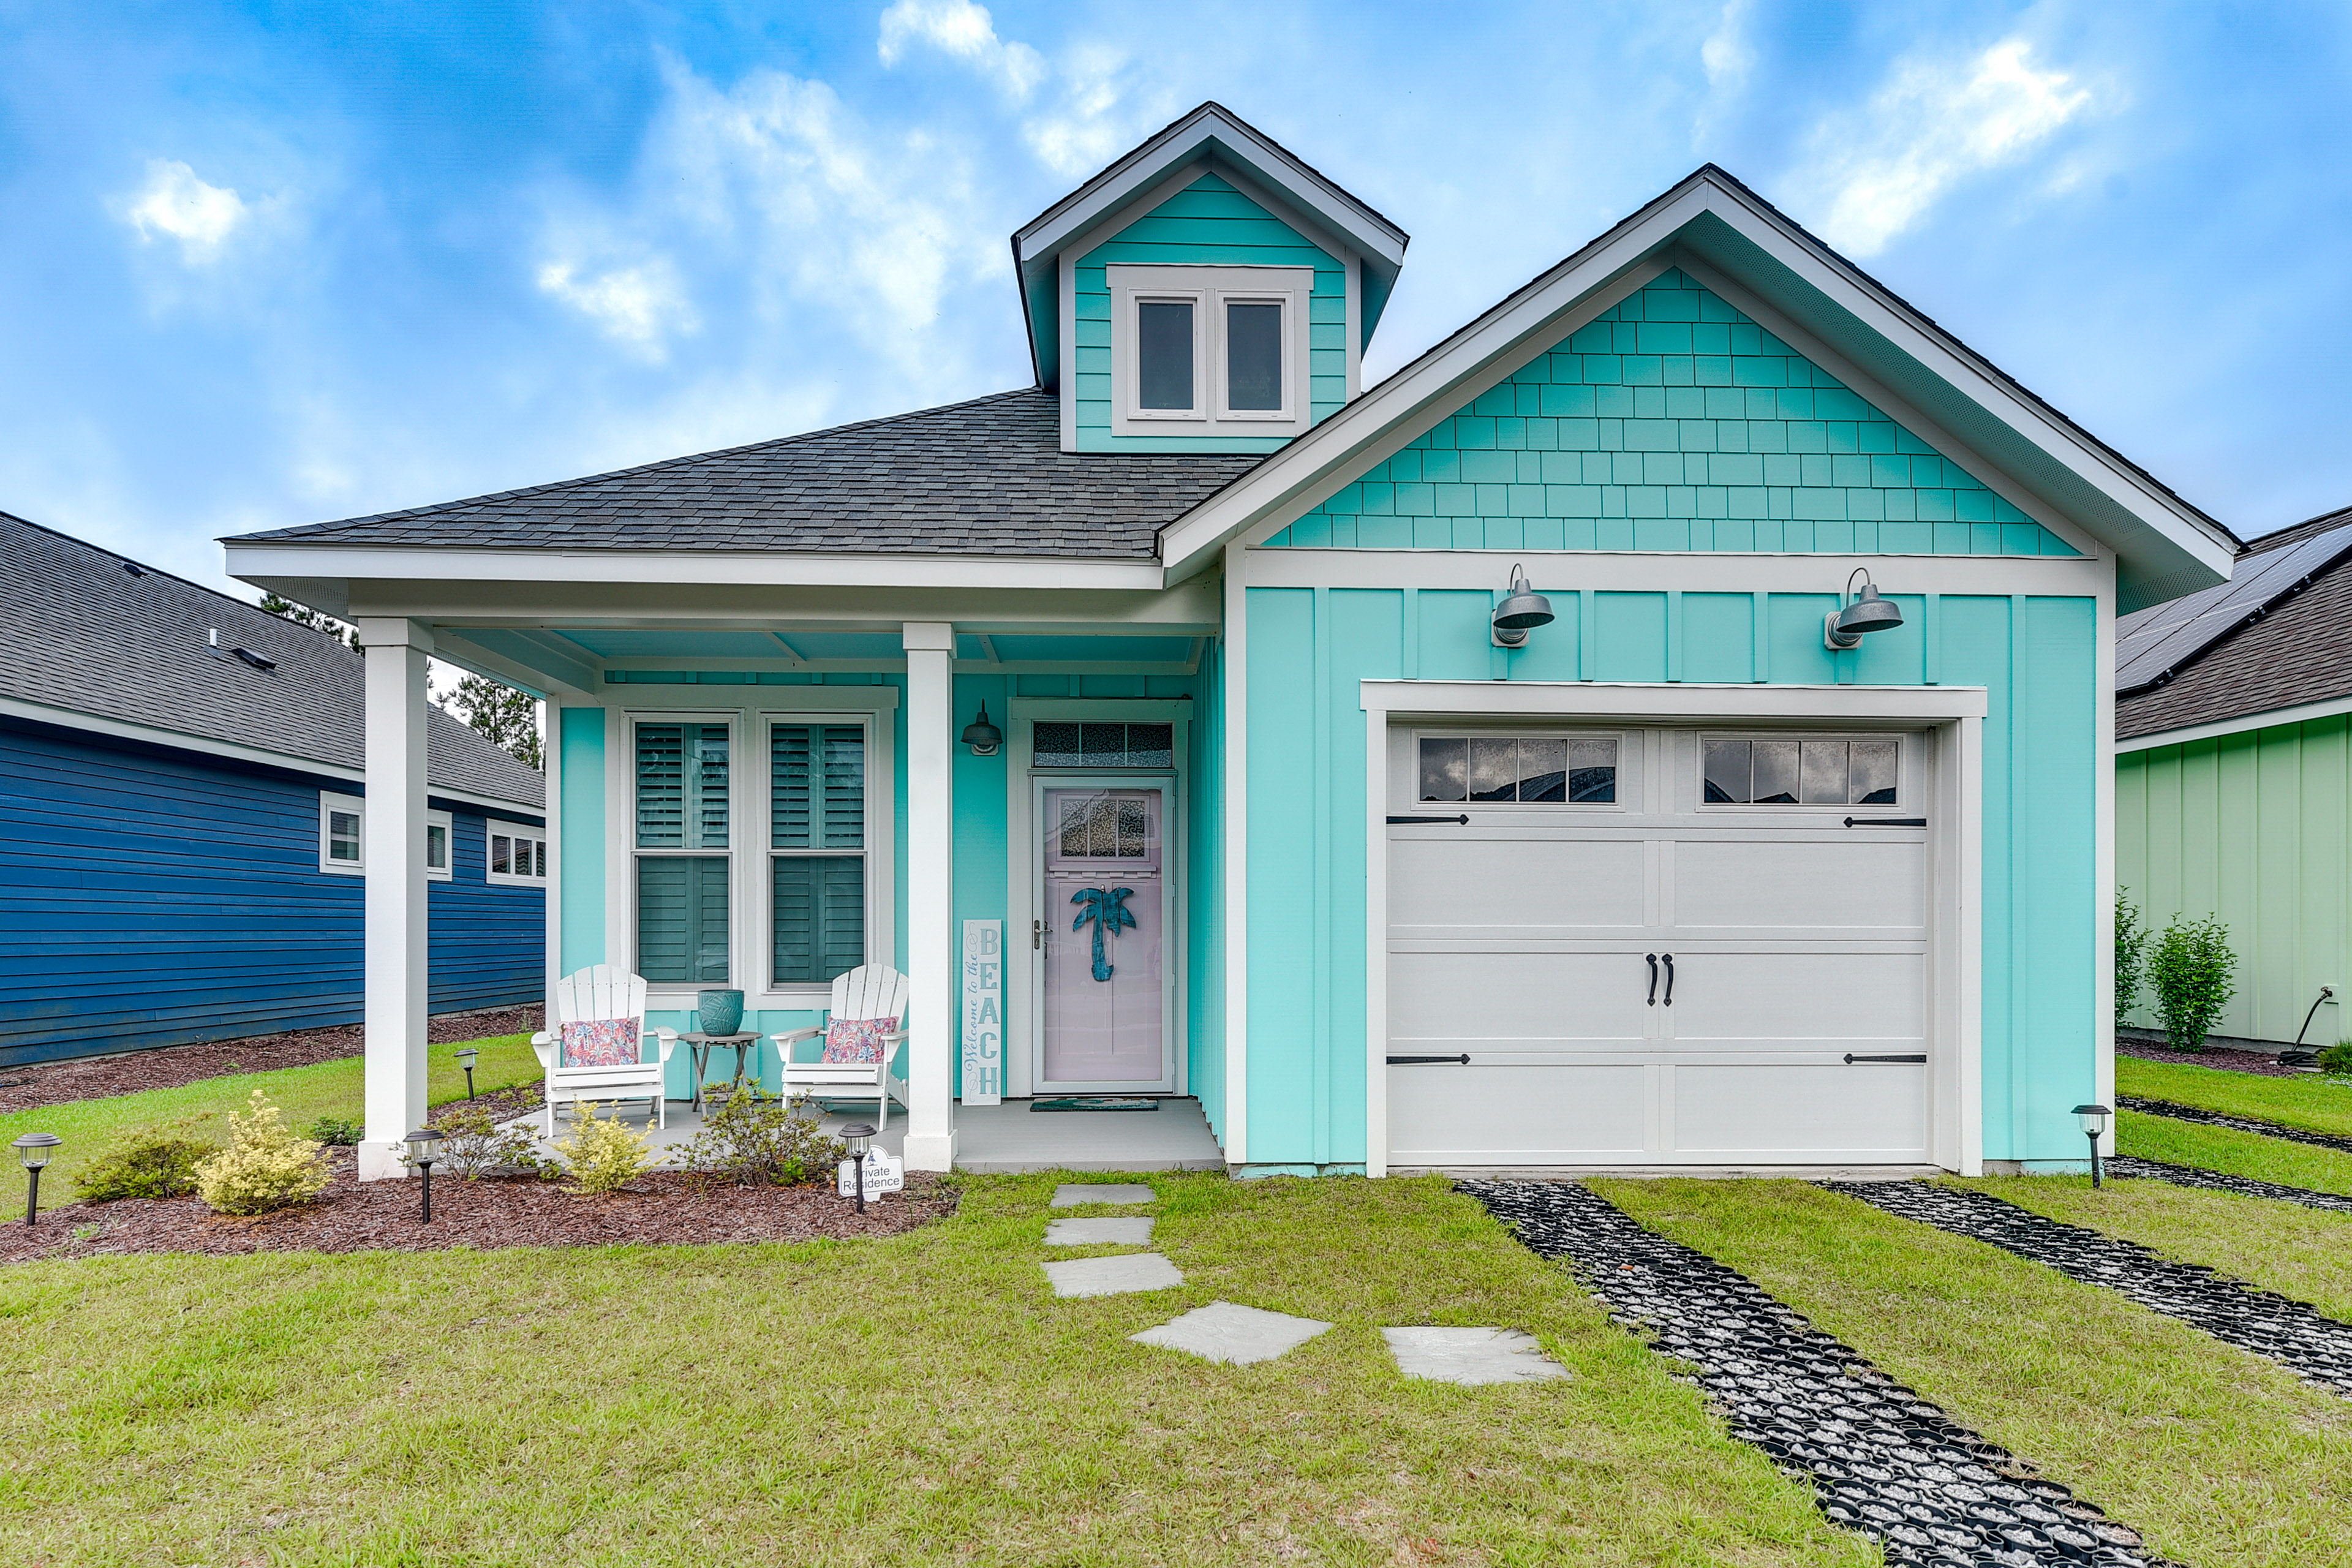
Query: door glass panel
[
  {"x": 1445, "y": 769},
  {"x": 1592, "y": 771},
  {"x": 1727, "y": 771},
  {"x": 1163, "y": 354},
  {"x": 1103, "y": 745},
  {"x": 1151, "y": 745},
  {"x": 1776, "y": 772},
  {"x": 1824, "y": 773},
  {"x": 1056, "y": 745},
  {"x": 1494, "y": 770},
  {"x": 1543, "y": 770},
  {"x": 1253, "y": 357},
  {"x": 1870, "y": 776}
]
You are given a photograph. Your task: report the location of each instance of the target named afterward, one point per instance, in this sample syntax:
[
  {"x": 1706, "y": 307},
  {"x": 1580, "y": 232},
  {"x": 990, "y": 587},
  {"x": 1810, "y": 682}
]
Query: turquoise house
[{"x": 1666, "y": 725}]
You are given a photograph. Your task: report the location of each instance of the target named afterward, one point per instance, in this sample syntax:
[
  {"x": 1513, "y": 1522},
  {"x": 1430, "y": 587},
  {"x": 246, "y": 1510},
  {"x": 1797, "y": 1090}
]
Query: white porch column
[
  {"x": 393, "y": 851},
  {"x": 931, "y": 895}
]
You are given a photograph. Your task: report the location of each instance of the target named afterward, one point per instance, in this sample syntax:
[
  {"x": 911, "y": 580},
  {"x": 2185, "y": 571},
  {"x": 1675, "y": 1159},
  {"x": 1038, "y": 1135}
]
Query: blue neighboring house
[{"x": 182, "y": 786}]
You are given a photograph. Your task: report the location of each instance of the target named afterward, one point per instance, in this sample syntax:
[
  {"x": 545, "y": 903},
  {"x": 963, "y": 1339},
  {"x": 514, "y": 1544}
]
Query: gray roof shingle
[
  {"x": 982, "y": 477},
  {"x": 88, "y": 636}
]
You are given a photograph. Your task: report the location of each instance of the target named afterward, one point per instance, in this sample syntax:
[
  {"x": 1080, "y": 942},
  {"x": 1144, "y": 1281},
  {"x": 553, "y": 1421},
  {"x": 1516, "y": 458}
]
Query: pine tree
[
  {"x": 317, "y": 620},
  {"x": 508, "y": 717}
]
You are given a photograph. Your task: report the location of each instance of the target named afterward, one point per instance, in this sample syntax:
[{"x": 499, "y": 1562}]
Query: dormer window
[{"x": 1209, "y": 351}]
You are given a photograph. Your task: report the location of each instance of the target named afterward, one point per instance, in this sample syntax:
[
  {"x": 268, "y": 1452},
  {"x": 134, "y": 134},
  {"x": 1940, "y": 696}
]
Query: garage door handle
[
  {"x": 1464, "y": 819},
  {"x": 1670, "y": 978},
  {"x": 1653, "y": 978},
  {"x": 1463, "y": 1059},
  {"x": 1850, "y": 1059},
  {"x": 1881, "y": 821}
]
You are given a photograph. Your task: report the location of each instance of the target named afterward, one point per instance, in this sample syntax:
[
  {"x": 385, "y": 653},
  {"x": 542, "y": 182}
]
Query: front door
[{"x": 1104, "y": 943}]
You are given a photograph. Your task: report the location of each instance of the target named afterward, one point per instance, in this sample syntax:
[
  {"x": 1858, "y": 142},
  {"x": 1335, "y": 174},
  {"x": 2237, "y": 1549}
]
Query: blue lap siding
[{"x": 155, "y": 897}]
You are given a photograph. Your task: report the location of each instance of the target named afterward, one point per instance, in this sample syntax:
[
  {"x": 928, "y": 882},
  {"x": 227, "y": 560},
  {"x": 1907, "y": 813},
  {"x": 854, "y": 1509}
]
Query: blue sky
[{"x": 275, "y": 264}]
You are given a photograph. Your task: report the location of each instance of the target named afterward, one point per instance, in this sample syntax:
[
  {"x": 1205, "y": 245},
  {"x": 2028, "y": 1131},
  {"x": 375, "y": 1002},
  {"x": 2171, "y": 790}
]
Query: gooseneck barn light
[
  {"x": 1522, "y": 610},
  {"x": 981, "y": 736},
  {"x": 34, "y": 1151},
  {"x": 1866, "y": 611},
  {"x": 2093, "y": 1121}
]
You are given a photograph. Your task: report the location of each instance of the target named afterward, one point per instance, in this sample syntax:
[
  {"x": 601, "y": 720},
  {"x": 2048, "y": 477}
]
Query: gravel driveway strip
[
  {"x": 1881, "y": 1460},
  {"x": 2288, "y": 1331}
]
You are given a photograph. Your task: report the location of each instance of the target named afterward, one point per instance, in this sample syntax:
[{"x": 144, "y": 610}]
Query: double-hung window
[
  {"x": 1209, "y": 350},
  {"x": 817, "y": 834},
  {"x": 682, "y": 852}
]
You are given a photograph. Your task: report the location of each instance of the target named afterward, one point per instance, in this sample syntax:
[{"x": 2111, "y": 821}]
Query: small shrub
[
  {"x": 2131, "y": 953},
  {"x": 473, "y": 1146},
  {"x": 2338, "y": 1058},
  {"x": 603, "y": 1156},
  {"x": 146, "y": 1164},
  {"x": 337, "y": 1132},
  {"x": 754, "y": 1138},
  {"x": 2193, "y": 972},
  {"x": 264, "y": 1167}
]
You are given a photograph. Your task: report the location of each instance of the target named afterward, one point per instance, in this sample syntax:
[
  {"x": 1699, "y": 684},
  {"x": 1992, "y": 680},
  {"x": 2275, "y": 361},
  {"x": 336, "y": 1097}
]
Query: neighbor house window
[
  {"x": 341, "y": 847},
  {"x": 1801, "y": 772},
  {"x": 1526, "y": 770},
  {"x": 437, "y": 827},
  {"x": 817, "y": 849},
  {"x": 1209, "y": 350},
  {"x": 682, "y": 862},
  {"x": 517, "y": 855}
]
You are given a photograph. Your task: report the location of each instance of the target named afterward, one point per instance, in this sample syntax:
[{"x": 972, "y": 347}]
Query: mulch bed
[
  {"x": 2261, "y": 1063},
  {"x": 168, "y": 1067},
  {"x": 663, "y": 1209}
]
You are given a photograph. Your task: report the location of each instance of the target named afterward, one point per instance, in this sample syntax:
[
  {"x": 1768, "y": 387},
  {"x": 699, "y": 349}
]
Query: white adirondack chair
[
  {"x": 602, "y": 991},
  {"x": 870, "y": 991}
]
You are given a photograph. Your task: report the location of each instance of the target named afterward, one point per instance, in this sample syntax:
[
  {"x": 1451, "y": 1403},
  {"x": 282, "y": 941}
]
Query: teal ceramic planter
[{"x": 720, "y": 1011}]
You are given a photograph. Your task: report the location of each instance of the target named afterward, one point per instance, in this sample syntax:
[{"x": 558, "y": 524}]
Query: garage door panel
[
  {"x": 1872, "y": 1110},
  {"x": 1514, "y": 882},
  {"x": 1514, "y": 1115},
  {"x": 1789, "y": 887},
  {"x": 1509, "y": 996},
  {"x": 1797, "y": 996}
]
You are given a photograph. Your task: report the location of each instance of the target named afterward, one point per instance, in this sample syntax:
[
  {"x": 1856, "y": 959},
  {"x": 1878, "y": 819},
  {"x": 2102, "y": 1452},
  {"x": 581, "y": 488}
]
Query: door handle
[
  {"x": 1653, "y": 978},
  {"x": 1670, "y": 978},
  {"x": 1037, "y": 935}
]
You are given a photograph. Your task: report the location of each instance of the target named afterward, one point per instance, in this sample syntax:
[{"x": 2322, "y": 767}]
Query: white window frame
[
  {"x": 447, "y": 871},
  {"x": 328, "y": 803},
  {"x": 631, "y": 854},
  {"x": 535, "y": 836},
  {"x": 1209, "y": 289},
  {"x": 1409, "y": 788},
  {"x": 791, "y": 993}
]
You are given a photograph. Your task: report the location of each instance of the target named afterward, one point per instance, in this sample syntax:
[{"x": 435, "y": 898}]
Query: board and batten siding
[
  {"x": 1207, "y": 224},
  {"x": 2256, "y": 828},
  {"x": 1309, "y": 648},
  {"x": 155, "y": 897}
]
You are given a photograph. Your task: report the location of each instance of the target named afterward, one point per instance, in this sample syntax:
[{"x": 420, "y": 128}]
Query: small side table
[{"x": 699, "y": 1044}]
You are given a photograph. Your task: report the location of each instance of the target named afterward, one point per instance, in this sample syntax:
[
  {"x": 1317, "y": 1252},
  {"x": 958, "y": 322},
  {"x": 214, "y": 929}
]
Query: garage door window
[
  {"x": 1801, "y": 773},
  {"x": 1525, "y": 769}
]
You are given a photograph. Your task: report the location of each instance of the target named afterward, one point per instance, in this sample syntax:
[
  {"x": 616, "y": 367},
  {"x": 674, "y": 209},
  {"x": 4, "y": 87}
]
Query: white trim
[
  {"x": 671, "y": 994},
  {"x": 1234, "y": 670},
  {"x": 350, "y": 806},
  {"x": 2242, "y": 724},
  {"x": 1065, "y": 307},
  {"x": 115, "y": 729},
  {"x": 2103, "y": 852},
  {"x": 880, "y": 833},
  {"x": 445, "y": 871},
  {"x": 1353, "y": 265},
  {"x": 930, "y": 960},
  {"x": 1208, "y": 289},
  {"x": 1953, "y": 717},
  {"x": 264, "y": 563}
]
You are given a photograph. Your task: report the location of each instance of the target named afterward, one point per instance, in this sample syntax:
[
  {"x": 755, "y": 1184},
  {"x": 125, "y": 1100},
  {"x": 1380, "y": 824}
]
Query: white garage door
[{"x": 1657, "y": 946}]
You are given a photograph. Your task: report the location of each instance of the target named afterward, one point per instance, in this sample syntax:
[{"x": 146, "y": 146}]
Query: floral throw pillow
[
  {"x": 601, "y": 1043},
  {"x": 857, "y": 1040}
]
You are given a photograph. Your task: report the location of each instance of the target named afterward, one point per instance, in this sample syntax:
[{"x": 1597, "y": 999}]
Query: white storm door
[{"x": 1104, "y": 956}]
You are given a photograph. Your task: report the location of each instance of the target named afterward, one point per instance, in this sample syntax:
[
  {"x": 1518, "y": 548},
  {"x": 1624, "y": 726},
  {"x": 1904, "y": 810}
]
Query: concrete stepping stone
[
  {"x": 1471, "y": 1356},
  {"x": 1228, "y": 1331},
  {"x": 1109, "y": 1230},
  {"x": 1078, "y": 1195},
  {"x": 1118, "y": 1276}
]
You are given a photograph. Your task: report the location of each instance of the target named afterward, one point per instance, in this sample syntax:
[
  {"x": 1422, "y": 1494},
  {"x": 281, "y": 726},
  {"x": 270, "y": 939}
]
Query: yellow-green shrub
[
  {"x": 264, "y": 1167},
  {"x": 603, "y": 1156}
]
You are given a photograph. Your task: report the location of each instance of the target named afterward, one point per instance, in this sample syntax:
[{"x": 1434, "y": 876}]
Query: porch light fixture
[
  {"x": 981, "y": 736},
  {"x": 1843, "y": 628},
  {"x": 424, "y": 1148},
  {"x": 35, "y": 1150},
  {"x": 466, "y": 1055},
  {"x": 2093, "y": 1119},
  {"x": 859, "y": 1136},
  {"x": 1522, "y": 610}
]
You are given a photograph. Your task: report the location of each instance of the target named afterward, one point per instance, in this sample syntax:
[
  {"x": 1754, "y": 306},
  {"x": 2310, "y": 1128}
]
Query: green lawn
[
  {"x": 325, "y": 1088},
  {"x": 2220, "y": 1457},
  {"x": 2281, "y": 1246},
  {"x": 923, "y": 1399},
  {"x": 2239, "y": 1153},
  {"x": 2315, "y": 1102}
]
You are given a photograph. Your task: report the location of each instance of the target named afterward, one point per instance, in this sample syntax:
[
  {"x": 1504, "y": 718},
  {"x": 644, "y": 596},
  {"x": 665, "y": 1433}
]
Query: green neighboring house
[{"x": 2233, "y": 776}]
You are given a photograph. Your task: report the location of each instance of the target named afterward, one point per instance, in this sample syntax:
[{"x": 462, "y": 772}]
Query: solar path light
[
  {"x": 2093, "y": 1119},
  {"x": 424, "y": 1148},
  {"x": 466, "y": 1057},
  {"x": 859, "y": 1136},
  {"x": 34, "y": 1151}
]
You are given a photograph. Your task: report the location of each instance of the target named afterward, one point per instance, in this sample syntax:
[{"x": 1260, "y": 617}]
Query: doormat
[{"x": 1095, "y": 1102}]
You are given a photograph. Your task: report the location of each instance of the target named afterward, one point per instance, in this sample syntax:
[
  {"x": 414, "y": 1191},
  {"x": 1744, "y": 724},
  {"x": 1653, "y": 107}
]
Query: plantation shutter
[
  {"x": 682, "y": 786},
  {"x": 817, "y": 794},
  {"x": 682, "y": 918},
  {"x": 820, "y": 917}
]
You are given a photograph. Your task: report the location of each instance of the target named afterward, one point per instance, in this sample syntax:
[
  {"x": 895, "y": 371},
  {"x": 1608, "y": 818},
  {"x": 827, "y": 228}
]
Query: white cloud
[
  {"x": 1087, "y": 130},
  {"x": 966, "y": 31},
  {"x": 1876, "y": 172},
  {"x": 1727, "y": 53},
  {"x": 640, "y": 306},
  {"x": 173, "y": 202}
]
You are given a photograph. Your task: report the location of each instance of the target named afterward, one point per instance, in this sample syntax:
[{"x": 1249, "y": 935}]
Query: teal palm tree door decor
[{"x": 1106, "y": 908}]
